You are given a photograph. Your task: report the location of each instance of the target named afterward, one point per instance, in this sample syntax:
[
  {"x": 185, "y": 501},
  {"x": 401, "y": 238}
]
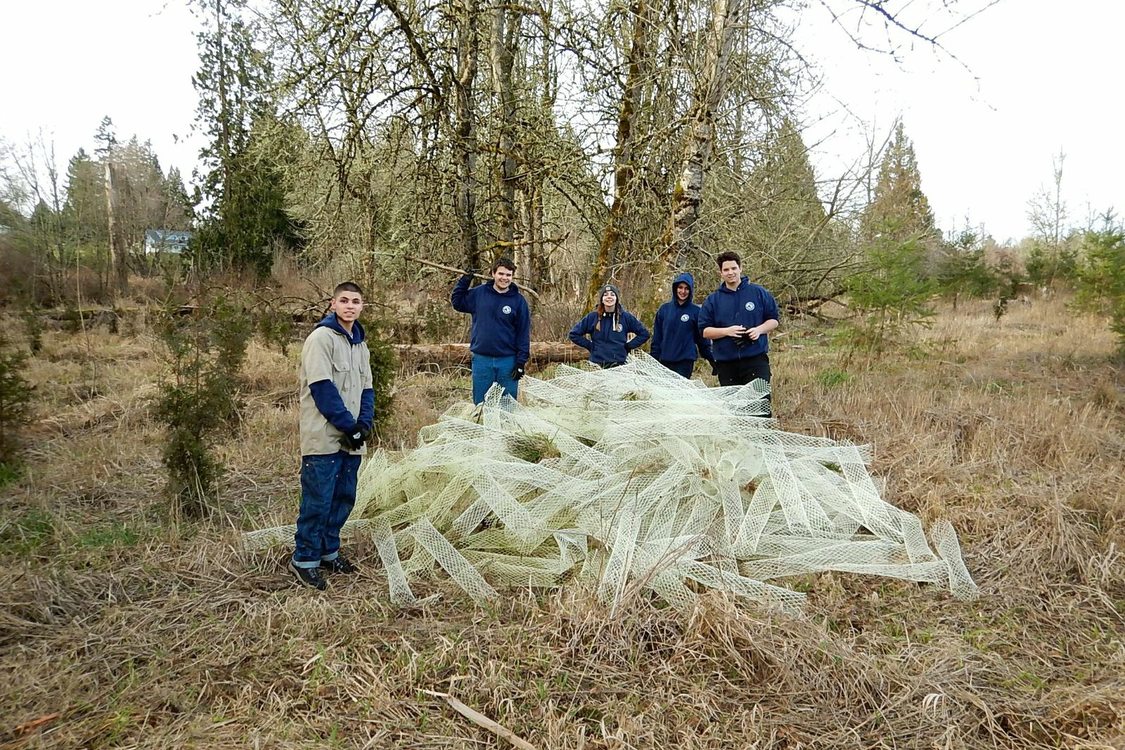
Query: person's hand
[
  {"x": 517, "y": 373},
  {"x": 473, "y": 271},
  {"x": 354, "y": 440},
  {"x": 753, "y": 333},
  {"x": 737, "y": 331}
]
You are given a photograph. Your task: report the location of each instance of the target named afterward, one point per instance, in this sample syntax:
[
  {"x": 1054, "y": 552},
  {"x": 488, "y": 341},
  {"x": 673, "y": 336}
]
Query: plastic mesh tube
[{"x": 634, "y": 479}]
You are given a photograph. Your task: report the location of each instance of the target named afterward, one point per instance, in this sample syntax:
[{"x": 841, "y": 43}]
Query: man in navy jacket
[
  {"x": 737, "y": 318},
  {"x": 676, "y": 340},
  {"x": 500, "y": 339}
]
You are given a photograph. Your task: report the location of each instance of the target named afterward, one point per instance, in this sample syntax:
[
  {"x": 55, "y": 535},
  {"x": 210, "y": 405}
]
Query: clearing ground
[{"x": 123, "y": 626}]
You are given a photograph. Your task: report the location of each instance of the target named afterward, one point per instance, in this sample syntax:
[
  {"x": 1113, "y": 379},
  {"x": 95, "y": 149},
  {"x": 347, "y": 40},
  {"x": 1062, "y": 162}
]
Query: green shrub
[
  {"x": 384, "y": 367},
  {"x": 276, "y": 328},
  {"x": 207, "y": 351},
  {"x": 33, "y": 328},
  {"x": 890, "y": 296},
  {"x": 1101, "y": 276},
  {"x": 15, "y": 408}
]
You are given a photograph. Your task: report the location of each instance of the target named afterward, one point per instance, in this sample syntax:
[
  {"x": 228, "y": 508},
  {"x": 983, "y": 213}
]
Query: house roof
[{"x": 167, "y": 236}]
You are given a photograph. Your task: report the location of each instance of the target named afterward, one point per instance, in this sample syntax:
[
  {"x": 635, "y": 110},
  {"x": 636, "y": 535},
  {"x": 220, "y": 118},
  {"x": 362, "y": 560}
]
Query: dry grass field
[{"x": 123, "y": 626}]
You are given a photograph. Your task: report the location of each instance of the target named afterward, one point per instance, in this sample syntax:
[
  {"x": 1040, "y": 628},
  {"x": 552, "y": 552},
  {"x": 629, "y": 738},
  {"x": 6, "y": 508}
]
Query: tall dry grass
[{"x": 123, "y": 626}]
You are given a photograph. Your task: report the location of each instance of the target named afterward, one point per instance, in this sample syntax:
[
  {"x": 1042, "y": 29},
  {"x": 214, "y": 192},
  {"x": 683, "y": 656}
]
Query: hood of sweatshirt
[
  {"x": 684, "y": 278},
  {"x": 357, "y": 335}
]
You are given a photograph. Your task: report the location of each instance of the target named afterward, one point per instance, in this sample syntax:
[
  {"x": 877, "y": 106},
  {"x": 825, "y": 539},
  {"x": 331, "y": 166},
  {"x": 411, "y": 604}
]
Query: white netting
[{"x": 634, "y": 479}]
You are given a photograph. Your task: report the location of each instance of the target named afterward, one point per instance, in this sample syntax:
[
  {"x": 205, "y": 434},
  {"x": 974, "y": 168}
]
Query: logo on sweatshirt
[
  {"x": 506, "y": 309},
  {"x": 685, "y": 318},
  {"x": 749, "y": 306}
]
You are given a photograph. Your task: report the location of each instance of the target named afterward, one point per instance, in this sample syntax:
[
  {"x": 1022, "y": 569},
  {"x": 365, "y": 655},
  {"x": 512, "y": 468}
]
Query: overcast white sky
[{"x": 1042, "y": 76}]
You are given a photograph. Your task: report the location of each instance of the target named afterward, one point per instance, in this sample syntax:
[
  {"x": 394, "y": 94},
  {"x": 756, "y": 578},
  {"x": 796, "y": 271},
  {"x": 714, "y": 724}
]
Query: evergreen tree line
[
  {"x": 57, "y": 224},
  {"x": 587, "y": 141}
]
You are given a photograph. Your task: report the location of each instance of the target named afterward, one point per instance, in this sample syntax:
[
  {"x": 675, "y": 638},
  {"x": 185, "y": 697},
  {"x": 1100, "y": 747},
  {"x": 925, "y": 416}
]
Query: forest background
[{"x": 371, "y": 140}]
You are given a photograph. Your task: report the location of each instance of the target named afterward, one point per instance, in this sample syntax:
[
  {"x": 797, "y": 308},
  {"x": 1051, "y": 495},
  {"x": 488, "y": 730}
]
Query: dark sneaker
[
  {"x": 340, "y": 565},
  {"x": 308, "y": 577}
]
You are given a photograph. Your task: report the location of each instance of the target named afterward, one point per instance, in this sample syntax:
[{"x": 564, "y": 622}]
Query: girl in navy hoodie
[
  {"x": 676, "y": 340},
  {"x": 605, "y": 331}
]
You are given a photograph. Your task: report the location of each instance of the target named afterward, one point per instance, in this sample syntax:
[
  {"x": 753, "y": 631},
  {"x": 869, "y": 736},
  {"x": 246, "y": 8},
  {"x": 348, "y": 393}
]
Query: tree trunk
[
  {"x": 687, "y": 197},
  {"x": 505, "y": 33},
  {"x": 118, "y": 262},
  {"x": 642, "y": 12},
  {"x": 468, "y": 47}
]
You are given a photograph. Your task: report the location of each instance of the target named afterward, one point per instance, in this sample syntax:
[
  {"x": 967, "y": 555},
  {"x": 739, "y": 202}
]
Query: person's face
[
  {"x": 682, "y": 291},
  {"x": 347, "y": 306},
  {"x": 731, "y": 271},
  {"x": 502, "y": 279},
  {"x": 609, "y": 300}
]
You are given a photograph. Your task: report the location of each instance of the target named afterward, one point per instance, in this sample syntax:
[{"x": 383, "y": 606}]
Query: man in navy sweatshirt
[
  {"x": 500, "y": 339},
  {"x": 737, "y": 318},
  {"x": 676, "y": 340},
  {"x": 337, "y": 413}
]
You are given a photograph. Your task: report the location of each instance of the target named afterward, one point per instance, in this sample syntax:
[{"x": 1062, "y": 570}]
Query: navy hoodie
[
  {"x": 501, "y": 322},
  {"x": 609, "y": 344},
  {"x": 675, "y": 335},
  {"x": 327, "y": 398},
  {"x": 749, "y": 305}
]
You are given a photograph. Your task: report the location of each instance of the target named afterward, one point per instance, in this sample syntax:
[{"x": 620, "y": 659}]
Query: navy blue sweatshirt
[
  {"x": 749, "y": 305},
  {"x": 675, "y": 335},
  {"x": 609, "y": 344},
  {"x": 327, "y": 398},
  {"x": 501, "y": 322}
]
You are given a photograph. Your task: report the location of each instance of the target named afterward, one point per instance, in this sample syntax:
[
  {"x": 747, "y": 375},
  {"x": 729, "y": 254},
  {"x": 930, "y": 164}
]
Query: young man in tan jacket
[{"x": 337, "y": 411}]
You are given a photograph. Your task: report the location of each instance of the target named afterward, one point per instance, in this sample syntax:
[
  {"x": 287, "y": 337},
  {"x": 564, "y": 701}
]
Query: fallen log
[{"x": 543, "y": 353}]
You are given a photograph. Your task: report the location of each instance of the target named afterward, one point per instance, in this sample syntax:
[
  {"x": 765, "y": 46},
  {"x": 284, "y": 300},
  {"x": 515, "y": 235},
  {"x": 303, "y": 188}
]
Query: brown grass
[{"x": 140, "y": 630}]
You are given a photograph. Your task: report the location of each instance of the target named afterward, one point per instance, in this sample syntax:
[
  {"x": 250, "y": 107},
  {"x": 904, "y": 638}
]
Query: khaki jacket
[{"x": 328, "y": 355}]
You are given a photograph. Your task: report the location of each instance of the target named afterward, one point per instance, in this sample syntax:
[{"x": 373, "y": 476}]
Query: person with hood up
[
  {"x": 500, "y": 337},
  {"x": 337, "y": 414},
  {"x": 605, "y": 331},
  {"x": 737, "y": 318},
  {"x": 676, "y": 340}
]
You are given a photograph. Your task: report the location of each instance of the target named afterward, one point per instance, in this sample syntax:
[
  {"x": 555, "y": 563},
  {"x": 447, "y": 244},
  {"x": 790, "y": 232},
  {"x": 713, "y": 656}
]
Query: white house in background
[{"x": 171, "y": 241}]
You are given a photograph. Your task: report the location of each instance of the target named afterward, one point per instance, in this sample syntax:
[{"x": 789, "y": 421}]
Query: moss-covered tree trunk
[
  {"x": 687, "y": 195},
  {"x": 638, "y": 77}
]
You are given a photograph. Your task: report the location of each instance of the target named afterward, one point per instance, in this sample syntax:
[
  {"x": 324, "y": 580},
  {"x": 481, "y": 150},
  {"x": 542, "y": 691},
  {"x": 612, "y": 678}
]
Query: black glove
[
  {"x": 472, "y": 271},
  {"x": 517, "y": 373},
  {"x": 354, "y": 440}
]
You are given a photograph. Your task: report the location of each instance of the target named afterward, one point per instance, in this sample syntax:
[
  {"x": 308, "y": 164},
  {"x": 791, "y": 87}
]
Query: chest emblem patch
[
  {"x": 749, "y": 306},
  {"x": 506, "y": 309}
]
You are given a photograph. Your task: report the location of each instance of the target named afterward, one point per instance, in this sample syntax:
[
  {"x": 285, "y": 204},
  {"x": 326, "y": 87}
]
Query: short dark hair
[
  {"x": 505, "y": 263},
  {"x": 346, "y": 286},
  {"x": 728, "y": 255}
]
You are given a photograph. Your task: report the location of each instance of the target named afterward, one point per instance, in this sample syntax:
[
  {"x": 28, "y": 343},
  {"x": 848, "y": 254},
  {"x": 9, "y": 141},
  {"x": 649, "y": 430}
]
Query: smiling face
[
  {"x": 609, "y": 300},
  {"x": 502, "y": 278},
  {"x": 731, "y": 272},
  {"x": 683, "y": 291},
  {"x": 347, "y": 306}
]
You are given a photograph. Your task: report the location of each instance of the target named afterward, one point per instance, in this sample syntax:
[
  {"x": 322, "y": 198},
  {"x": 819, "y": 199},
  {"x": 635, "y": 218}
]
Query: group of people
[{"x": 730, "y": 330}]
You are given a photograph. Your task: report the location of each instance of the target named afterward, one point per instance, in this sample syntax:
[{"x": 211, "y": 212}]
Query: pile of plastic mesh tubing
[{"x": 633, "y": 480}]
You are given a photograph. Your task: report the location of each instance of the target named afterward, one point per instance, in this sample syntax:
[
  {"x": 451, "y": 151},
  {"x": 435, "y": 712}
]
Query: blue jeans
[
  {"x": 327, "y": 496},
  {"x": 489, "y": 370}
]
